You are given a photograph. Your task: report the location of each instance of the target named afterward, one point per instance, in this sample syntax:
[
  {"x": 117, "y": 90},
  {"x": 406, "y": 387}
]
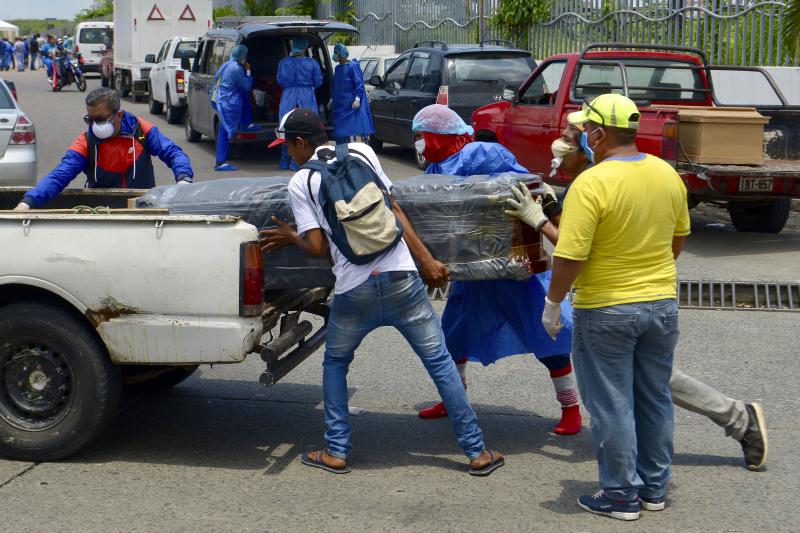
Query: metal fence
[{"x": 731, "y": 32}]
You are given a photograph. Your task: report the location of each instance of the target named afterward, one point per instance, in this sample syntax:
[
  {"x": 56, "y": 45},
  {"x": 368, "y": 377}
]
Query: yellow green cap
[{"x": 614, "y": 110}]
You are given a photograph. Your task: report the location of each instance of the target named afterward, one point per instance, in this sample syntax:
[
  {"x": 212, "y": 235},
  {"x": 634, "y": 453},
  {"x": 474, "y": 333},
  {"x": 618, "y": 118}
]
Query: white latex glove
[
  {"x": 548, "y": 190},
  {"x": 526, "y": 208},
  {"x": 357, "y": 102},
  {"x": 551, "y": 318},
  {"x": 22, "y": 206}
]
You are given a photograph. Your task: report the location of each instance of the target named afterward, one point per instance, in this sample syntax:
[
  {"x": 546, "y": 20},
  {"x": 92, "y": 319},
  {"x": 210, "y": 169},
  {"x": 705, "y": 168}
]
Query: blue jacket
[
  {"x": 231, "y": 96},
  {"x": 478, "y": 158},
  {"x": 298, "y": 76},
  {"x": 116, "y": 165},
  {"x": 348, "y": 83}
]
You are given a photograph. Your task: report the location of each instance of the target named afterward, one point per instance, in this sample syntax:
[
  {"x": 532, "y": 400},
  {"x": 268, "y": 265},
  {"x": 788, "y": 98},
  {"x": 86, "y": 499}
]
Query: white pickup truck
[
  {"x": 168, "y": 81},
  {"x": 92, "y": 302}
]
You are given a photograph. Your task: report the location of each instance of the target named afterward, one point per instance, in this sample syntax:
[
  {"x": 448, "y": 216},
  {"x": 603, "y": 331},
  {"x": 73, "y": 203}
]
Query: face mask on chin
[{"x": 585, "y": 146}]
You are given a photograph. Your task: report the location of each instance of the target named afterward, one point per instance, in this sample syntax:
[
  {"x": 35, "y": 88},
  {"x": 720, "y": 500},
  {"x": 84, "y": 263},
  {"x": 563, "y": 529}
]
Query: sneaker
[
  {"x": 652, "y": 504},
  {"x": 434, "y": 411},
  {"x": 605, "y": 506},
  {"x": 754, "y": 442}
]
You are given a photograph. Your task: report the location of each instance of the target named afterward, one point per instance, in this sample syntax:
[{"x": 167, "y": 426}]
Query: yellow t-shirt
[{"x": 619, "y": 218}]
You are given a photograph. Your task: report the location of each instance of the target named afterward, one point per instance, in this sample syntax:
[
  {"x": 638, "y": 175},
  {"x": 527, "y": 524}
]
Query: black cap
[{"x": 300, "y": 122}]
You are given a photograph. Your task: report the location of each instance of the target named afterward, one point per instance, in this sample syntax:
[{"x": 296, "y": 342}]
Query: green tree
[
  {"x": 100, "y": 9},
  {"x": 226, "y": 11},
  {"x": 259, "y": 8},
  {"x": 791, "y": 30},
  {"x": 299, "y": 8},
  {"x": 514, "y": 18}
]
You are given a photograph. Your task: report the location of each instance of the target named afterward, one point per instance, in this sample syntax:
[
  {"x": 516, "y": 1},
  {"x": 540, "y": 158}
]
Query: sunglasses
[
  {"x": 588, "y": 105},
  {"x": 89, "y": 120}
]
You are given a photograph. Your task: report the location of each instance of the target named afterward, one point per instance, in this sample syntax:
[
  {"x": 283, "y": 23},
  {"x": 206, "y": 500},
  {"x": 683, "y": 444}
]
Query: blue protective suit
[
  {"x": 46, "y": 59},
  {"x": 6, "y": 55},
  {"x": 348, "y": 83},
  {"x": 487, "y": 320},
  {"x": 231, "y": 96},
  {"x": 299, "y": 77}
]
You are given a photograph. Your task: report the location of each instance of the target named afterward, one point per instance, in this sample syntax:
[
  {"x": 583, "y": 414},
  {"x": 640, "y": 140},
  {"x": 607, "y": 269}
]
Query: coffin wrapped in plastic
[{"x": 460, "y": 219}]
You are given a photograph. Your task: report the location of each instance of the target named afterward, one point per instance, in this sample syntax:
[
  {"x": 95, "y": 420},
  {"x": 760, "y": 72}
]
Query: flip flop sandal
[
  {"x": 493, "y": 465},
  {"x": 316, "y": 462}
]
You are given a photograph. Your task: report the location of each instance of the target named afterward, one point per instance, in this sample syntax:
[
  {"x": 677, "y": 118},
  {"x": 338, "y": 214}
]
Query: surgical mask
[
  {"x": 586, "y": 148},
  {"x": 103, "y": 130},
  {"x": 336, "y": 57},
  {"x": 420, "y": 146}
]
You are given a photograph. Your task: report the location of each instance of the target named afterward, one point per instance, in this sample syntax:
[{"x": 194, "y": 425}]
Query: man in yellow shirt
[{"x": 623, "y": 225}]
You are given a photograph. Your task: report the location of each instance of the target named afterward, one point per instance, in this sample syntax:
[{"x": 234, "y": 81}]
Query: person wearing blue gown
[
  {"x": 299, "y": 76},
  {"x": 231, "y": 99},
  {"x": 488, "y": 320},
  {"x": 352, "y": 120}
]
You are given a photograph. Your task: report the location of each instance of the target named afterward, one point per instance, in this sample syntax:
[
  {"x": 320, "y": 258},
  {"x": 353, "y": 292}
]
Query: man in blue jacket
[{"x": 114, "y": 153}]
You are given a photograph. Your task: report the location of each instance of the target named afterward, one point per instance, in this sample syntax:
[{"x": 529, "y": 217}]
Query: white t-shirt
[{"x": 308, "y": 215}]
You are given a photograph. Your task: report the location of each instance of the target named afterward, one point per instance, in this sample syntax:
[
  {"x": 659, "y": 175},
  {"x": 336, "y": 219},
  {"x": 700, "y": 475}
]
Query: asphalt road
[{"x": 219, "y": 452}]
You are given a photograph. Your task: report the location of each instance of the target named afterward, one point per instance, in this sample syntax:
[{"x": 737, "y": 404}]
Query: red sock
[{"x": 567, "y": 396}]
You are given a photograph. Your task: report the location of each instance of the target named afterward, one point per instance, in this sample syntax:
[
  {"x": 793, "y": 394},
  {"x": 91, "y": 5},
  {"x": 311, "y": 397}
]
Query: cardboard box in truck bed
[{"x": 721, "y": 135}]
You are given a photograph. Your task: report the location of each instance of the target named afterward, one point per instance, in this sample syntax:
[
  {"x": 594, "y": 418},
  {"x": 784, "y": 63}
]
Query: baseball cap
[
  {"x": 300, "y": 121},
  {"x": 614, "y": 110}
]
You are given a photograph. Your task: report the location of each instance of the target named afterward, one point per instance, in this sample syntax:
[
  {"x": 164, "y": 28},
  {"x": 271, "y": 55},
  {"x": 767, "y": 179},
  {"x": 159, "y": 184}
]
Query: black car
[
  {"x": 465, "y": 76},
  {"x": 268, "y": 41}
]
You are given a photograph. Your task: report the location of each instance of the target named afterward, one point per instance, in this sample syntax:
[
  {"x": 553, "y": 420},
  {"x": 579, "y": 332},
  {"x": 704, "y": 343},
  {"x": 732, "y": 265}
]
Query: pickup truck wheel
[
  {"x": 58, "y": 389},
  {"x": 155, "y": 378},
  {"x": 156, "y": 108},
  {"x": 760, "y": 217},
  {"x": 174, "y": 114},
  {"x": 192, "y": 135}
]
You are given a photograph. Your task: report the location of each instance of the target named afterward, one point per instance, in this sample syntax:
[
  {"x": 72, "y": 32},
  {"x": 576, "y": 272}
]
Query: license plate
[{"x": 755, "y": 184}]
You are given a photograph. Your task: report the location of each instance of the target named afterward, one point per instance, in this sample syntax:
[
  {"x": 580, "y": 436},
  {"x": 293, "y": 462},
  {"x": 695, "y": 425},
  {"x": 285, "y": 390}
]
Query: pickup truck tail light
[
  {"x": 24, "y": 132},
  {"x": 669, "y": 143},
  {"x": 251, "y": 289},
  {"x": 180, "y": 81}
]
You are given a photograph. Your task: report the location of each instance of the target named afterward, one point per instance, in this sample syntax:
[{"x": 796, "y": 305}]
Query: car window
[
  {"x": 92, "y": 35},
  {"x": 498, "y": 68},
  {"x": 199, "y": 64},
  {"x": 388, "y": 62},
  {"x": 424, "y": 74},
  {"x": 647, "y": 80},
  {"x": 162, "y": 52},
  {"x": 184, "y": 46},
  {"x": 368, "y": 69},
  {"x": 544, "y": 86},
  {"x": 6, "y": 101},
  {"x": 396, "y": 76},
  {"x": 217, "y": 57}
]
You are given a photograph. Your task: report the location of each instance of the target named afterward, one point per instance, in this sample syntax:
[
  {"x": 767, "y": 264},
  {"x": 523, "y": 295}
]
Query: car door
[
  {"x": 157, "y": 74},
  {"x": 419, "y": 90},
  {"x": 201, "y": 82},
  {"x": 533, "y": 119},
  {"x": 215, "y": 59},
  {"x": 385, "y": 100}
]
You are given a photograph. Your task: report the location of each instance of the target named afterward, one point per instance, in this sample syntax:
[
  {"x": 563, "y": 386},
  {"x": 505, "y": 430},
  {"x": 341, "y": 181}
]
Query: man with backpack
[
  {"x": 114, "y": 153},
  {"x": 342, "y": 204}
]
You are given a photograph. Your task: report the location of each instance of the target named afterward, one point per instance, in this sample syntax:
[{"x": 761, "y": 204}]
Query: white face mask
[
  {"x": 104, "y": 130},
  {"x": 420, "y": 146}
]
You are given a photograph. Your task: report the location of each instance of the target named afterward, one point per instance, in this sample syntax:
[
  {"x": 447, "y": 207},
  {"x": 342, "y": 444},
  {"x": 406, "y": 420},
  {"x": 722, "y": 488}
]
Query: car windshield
[
  {"x": 93, "y": 35},
  {"x": 6, "y": 101},
  {"x": 184, "y": 46},
  {"x": 502, "y": 69}
]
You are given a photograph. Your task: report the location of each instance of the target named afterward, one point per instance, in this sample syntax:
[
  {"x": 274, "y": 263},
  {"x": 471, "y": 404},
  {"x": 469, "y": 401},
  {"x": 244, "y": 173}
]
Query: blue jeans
[
  {"x": 623, "y": 362},
  {"x": 396, "y": 299}
]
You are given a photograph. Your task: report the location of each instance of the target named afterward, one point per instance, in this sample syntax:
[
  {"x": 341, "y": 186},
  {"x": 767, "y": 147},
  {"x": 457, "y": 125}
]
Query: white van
[{"x": 92, "y": 38}]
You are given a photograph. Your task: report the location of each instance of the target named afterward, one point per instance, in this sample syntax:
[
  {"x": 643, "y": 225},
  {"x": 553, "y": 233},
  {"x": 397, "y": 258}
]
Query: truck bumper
[{"x": 161, "y": 339}]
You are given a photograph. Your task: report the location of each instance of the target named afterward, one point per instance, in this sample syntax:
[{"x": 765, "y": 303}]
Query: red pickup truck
[{"x": 528, "y": 118}]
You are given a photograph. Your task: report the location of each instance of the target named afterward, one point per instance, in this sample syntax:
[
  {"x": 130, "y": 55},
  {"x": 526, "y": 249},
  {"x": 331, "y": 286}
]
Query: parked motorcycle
[{"x": 66, "y": 72}]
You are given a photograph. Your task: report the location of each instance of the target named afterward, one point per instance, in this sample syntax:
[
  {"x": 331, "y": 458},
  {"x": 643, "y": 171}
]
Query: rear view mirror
[
  {"x": 376, "y": 81},
  {"x": 186, "y": 63},
  {"x": 150, "y": 58},
  {"x": 509, "y": 93}
]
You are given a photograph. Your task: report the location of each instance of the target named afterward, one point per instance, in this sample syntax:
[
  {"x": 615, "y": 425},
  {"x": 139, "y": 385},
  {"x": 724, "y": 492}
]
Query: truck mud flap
[{"x": 278, "y": 365}]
